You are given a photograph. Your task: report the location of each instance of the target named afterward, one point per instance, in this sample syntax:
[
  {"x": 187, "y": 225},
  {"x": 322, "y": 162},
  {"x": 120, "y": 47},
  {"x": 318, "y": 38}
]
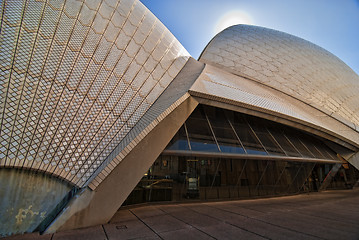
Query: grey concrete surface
[{"x": 325, "y": 215}]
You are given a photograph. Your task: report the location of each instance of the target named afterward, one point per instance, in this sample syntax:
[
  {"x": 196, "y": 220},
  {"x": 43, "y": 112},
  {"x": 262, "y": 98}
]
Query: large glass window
[
  {"x": 223, "y": 131},
  {"x": 283, "y": 141},
  {"x": 221, "y": 154},
  {"x": 180, "y": 140},
  {"x": 259, "y": 126},
  {"x": 199, "y": 133},
  {"x": 211, "y": 129},
  {"x": 248, "y": 138},
  {"x": 178, "y": 178}
]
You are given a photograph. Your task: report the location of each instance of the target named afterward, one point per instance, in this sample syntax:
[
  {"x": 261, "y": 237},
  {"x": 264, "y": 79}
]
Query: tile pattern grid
[
  {"x": 176, "y": 93},
  {"x": 75, "y": 77},
  {"x": 129, "y": 142},
  {"x": 291, "y": 65}
]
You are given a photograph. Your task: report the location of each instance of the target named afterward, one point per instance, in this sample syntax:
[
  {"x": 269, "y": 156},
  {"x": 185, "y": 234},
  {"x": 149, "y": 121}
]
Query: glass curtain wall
[
  {"x": 219, "y": 154},
  {"x": 216, "y": 130}
]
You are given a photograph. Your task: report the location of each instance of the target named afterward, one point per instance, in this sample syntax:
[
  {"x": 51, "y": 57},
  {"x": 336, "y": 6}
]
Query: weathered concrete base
[
  {"x": 97, "y": 207},
  {"x": 26, "y": 198}
]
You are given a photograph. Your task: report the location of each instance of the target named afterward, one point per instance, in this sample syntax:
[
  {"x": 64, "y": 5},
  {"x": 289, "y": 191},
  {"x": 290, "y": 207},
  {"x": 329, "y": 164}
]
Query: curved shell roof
[
  {"x": 75, "y": 77},
  {"x": 291, "y": 65}
]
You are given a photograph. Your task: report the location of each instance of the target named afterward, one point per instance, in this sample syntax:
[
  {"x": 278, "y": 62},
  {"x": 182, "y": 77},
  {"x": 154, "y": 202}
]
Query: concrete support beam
[
  {"x": 354, "y": 160},
  {"x": 97, "y": 207},
  {"x": 328, "y": 179}
]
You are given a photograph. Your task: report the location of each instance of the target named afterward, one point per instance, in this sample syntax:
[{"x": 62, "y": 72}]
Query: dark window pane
[
  {"x": 247, "y": 137},
  {"x": 328, "y": 153},
  {"x": 203, "y": 146},
  {"x": 267, "y": 140},
  {"x": 310, "y": 143},
  {"x": 259, "y": 126},
  {"x": 284, "y": 143},
  {"x": 226, "y": 148},
  {"x": 281, "y": 184},
  {"x": 253, "y": 176},
  {"x": 299, "y": 146},
  {"x": 212, "y": 129},
  {"x": 179, "y": 141},
  {"x": 200, "y": 135},
  {"x": 180, "y": 144},
  {"x": 224, "y": 133}
]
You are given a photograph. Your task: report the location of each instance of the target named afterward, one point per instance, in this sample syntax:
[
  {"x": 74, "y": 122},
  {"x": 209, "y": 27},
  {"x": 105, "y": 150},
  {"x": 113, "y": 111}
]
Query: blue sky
[{"x": 331, "y": 24}]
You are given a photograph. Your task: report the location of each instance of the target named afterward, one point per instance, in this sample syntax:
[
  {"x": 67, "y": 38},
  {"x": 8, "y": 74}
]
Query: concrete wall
[{"x": 26, "y": 198}]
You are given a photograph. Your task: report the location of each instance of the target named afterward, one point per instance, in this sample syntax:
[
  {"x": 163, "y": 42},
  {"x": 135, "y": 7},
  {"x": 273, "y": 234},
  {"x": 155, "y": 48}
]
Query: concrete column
[{"x": 91, "y": 208}]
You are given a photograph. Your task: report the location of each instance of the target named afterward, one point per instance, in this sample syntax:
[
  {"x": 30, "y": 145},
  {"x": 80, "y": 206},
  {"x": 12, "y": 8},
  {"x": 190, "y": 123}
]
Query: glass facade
[
  {"x": 215, "y": 130},
  {"x": 221, "y": 154}
]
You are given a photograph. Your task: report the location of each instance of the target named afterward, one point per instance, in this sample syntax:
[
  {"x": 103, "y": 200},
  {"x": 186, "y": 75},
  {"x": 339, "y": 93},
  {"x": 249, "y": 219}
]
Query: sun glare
[{"x": 232, "y": 18}]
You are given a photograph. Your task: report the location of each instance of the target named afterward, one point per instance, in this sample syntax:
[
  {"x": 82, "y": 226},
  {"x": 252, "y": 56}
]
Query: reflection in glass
[
  {"x": 211, "y": 129},
  {"x": 179, "y": 141},
  {"x": 168, "y": 178},
  {"x": 249, "y": 171},
  {"x": 223, "y": 132},
  {"x": 303, "y": 150},
  {"x": 199, "y": 133},
  {"x": 246, "y": 135},
  {"x": 271, "y": 145},
  {"x": 289, "y": 149}
]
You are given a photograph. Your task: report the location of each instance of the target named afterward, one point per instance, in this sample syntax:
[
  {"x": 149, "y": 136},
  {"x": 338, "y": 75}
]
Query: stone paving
[{"x": 325, "y": 215}]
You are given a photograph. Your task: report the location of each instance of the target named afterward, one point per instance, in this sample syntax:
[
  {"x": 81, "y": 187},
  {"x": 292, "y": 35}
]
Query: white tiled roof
[
  {"x": 291, "y": 65},
  {"x": 221, "y": 86},
  {"x": 76, "y": 76}
]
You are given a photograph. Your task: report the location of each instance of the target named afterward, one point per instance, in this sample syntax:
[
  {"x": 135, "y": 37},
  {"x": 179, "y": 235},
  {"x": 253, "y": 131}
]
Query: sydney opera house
[{"x": 102, "y": 107}]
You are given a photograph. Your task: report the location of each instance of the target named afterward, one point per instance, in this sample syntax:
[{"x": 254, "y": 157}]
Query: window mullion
[
  {"x": 188, "y": 141},
  {"x": 260, "y": 142},
  {"x": 235, "y": 133},
  {"x": 214, "y": 136}
]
